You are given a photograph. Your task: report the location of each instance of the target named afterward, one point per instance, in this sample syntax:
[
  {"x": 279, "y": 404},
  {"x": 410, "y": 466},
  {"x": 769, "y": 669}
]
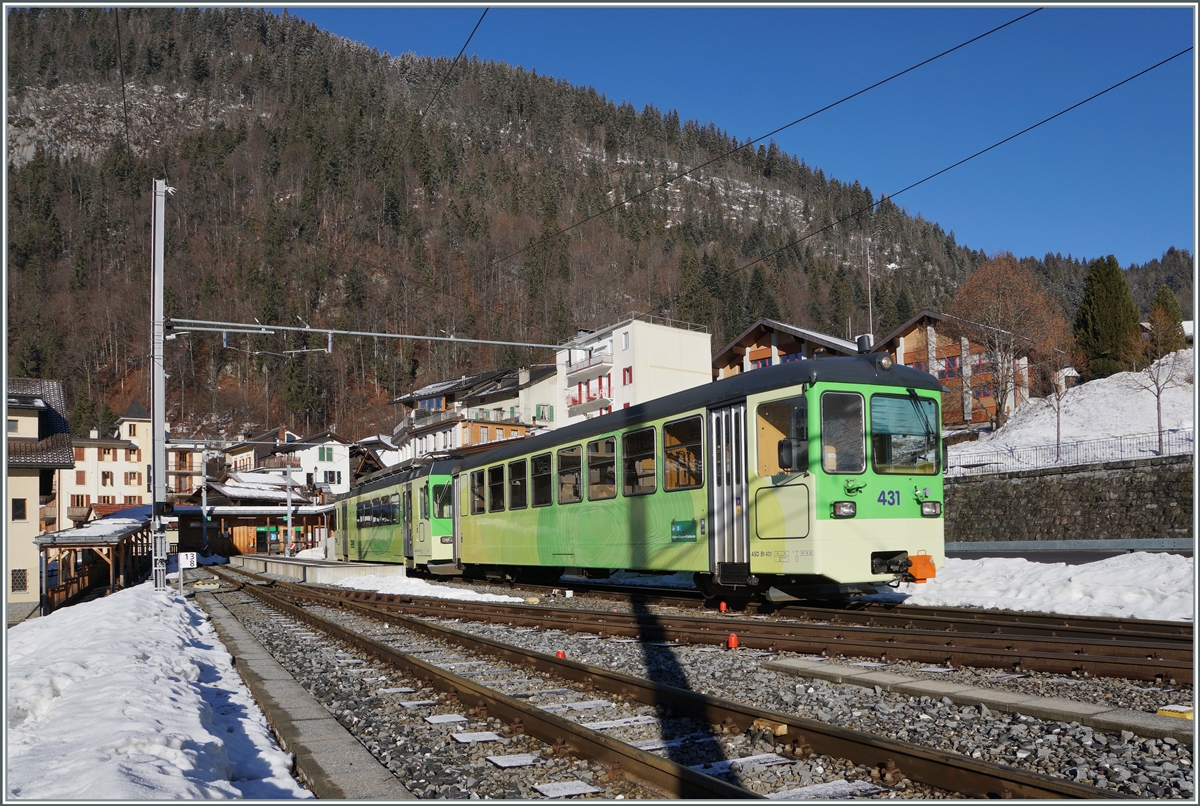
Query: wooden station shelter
[{"x": 74, "y": 561}]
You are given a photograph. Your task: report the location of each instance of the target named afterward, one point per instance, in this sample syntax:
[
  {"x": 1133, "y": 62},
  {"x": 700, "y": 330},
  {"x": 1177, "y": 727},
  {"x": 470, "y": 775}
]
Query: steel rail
[
  {"x": 892, "y": 758},
  {"x": 909, "y": 616},
  {"x": 1146, "y": 661},
  {"x": 661, "y": 773}
]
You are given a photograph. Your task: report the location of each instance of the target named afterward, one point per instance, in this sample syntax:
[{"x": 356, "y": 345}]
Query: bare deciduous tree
[
  {"x": 1056, "y": 359},
  {"x": 1162, "y": 366},
  {"x": 1003, "y": 308}
]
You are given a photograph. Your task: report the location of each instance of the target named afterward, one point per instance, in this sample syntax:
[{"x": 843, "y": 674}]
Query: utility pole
[{"x": 158, "y": 414}]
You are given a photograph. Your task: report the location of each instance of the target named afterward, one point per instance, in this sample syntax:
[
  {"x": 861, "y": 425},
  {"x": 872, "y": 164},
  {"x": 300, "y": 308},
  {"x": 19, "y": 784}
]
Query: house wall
[
  {"x": 662, "y": 360},
  {"x": 25, "y": 422},
  {"x": 665, "y": 360},
  {"x": 19, "y": 535}
]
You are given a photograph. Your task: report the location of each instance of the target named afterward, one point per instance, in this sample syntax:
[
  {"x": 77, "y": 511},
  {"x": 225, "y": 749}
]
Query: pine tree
[
  {"x": 1106, "y": 325},
  {"x": 695, "y": 303}
]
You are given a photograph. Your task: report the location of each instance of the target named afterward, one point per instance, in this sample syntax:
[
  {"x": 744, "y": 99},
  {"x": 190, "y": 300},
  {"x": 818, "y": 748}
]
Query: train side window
[
  {"x": 477, "y": 492},
  {"x": 570, "y": 465},
  {"x": 602, "y": 469},
  {"x": 424, "y": 502},
  {"x": 637, "y": 462},
  {"x": 443, "y": 501},
  {"x": 543, "y": 481},
  {"x": 516, "y": 485},
  {"x": 359, "y": 518},
  {"x": 778, "y": 420},
  {"x": 842, "y": 436},
  {"x": 683, "y": 454},
  {"x": 496, "y": 488}
]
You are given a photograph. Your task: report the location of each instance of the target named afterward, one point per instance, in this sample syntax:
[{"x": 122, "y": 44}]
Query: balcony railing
[
  {"x": 578, "y": 403},
  {"x": 592, "y": 366},
  {"x": 1090, "y": 451}
]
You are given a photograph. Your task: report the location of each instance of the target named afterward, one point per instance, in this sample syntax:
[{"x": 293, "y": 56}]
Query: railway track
[
  {"x": 1103, "y": 649},
  {"x": 682, "y": 723},
  {"x": 908, "y": 616}
]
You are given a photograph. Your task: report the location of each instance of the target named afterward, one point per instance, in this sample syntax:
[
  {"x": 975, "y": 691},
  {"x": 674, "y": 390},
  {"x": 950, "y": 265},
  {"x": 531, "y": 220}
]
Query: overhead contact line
[{"x": 745, "y": 145}]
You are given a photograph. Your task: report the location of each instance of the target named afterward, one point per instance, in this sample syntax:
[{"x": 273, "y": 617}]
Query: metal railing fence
[{"x": 1081, "y": 452}]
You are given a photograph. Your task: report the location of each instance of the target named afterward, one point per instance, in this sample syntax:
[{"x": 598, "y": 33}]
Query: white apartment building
[
  {"x": 476, "y": 410},
  {"x": 111, "y": 471},
  {"x": 639, "y": 359},
  {"x": 325, "y": 456}
]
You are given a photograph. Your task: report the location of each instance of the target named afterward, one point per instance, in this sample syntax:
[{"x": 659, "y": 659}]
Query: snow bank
[
  {"x": 133, "y": 697},
  {"x": 1116, "y": 406},
  {"x": 1140, "y": 585}
]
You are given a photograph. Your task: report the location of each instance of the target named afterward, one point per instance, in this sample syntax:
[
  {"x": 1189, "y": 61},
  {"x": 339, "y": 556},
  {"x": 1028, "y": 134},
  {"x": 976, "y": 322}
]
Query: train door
[
  {"x": 728, "y": 537},
  {"x": 423, "y": 520},
  {"x": 344, "y": 535},
  {"x": 406, "y": 518}
]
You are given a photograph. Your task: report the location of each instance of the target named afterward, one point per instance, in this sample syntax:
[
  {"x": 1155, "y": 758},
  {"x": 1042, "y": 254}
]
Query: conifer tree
[{"x": 1106, "y": 325}]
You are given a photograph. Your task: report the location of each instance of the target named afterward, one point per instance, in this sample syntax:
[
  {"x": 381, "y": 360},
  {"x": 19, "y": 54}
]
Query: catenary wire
[
  {"x": 745, "y": 145},
  {"x": 981, "y": 152}
]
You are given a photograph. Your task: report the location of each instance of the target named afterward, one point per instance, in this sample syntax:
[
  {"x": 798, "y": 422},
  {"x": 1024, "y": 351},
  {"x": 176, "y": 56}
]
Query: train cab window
[
  {"x": 543, "y": 481},
  {"x": 602, "y": 469},
  {"x": 570, "y": 483},
  {"x": 637, "y": 463},
  {"x": 477, "y": 506},
  {"x": 904, "y": 436},
  {"x": 842, "y": 439},
  {"x": 496, "y": 488},
  {"x": 516, "y": 485},
  {"x": 424, "y": 493},
  {"x": 443, "y": 501},
  {"x": 683, "y": 454},
  {"x": 779, "y": 420}
]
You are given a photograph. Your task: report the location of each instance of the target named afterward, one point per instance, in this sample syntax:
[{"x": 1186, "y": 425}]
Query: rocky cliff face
[{"x": 84, "y": 120}]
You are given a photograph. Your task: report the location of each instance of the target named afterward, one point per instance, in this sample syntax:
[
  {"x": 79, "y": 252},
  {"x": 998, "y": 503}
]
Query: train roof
[{"x": 860, "y": 369}]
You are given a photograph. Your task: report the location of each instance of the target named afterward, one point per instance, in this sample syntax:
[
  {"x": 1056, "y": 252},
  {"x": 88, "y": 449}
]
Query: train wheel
[{"x": 704, "y": 583}]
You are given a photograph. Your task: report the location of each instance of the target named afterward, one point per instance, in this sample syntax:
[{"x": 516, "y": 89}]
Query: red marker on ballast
[
  {"x": 560, "y": 654},
  {"x": 731, "y": 642}
]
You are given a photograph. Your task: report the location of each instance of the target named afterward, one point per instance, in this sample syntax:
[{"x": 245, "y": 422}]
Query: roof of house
[
  {"x": 825, "y": 340},
  {"x": 305, "y": 443},
  {"x": 466, "y": 382},
  {"x": 257, "y": 487},
  {"x": 52, "y": 448},
  {"x": 136, "y": 411}
]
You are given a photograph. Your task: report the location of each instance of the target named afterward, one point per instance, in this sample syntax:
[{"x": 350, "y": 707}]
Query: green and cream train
[{"x": 809, "y": 479}]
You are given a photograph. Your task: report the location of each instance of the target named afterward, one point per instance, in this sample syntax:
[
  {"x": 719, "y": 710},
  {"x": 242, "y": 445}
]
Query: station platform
[
  {"x": 331, "y": 762},
  {"x": 318, "y": 572}
]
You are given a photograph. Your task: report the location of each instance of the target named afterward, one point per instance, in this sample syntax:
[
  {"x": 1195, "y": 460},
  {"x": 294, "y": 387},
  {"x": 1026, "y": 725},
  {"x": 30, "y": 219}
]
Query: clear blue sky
[{"x": 1116, "y": 176}]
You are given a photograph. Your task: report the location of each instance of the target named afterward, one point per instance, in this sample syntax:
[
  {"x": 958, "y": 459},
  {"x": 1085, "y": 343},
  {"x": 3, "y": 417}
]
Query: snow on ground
[
  {"x": 1141, "y": 585},
  {"x": 1116, "y": 406},
  {"x": 407, "y": 586},
  {"x": 133, "y": 697}
]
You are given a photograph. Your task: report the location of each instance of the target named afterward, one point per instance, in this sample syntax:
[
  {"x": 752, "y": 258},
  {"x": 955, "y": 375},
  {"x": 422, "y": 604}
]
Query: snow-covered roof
[{"x": 105, "y": 530}]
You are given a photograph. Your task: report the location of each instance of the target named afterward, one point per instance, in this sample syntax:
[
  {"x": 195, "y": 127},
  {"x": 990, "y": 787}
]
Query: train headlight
[
  {"x": 886, "y": 362},
  {"x": 844, "y": 509},
  {"x": 447, "y": 538},
  {"x": 931, "y": 509}
]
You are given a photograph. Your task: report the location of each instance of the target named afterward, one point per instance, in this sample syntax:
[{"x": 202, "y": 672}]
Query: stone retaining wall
[{"x": 1135, "y": 499}]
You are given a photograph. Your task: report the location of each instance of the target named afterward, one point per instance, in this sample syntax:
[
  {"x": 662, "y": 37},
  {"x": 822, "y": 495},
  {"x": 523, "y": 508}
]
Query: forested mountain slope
[{"x": 310, "y": 189}]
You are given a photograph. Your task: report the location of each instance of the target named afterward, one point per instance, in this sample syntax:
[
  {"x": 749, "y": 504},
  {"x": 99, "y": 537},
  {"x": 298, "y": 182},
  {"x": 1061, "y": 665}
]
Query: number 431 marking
[{"x": 889, "y": 498}]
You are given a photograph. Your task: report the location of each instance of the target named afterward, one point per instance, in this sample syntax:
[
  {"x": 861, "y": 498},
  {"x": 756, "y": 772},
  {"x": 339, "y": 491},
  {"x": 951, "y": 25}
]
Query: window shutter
[{"x": 551, "y": 417}]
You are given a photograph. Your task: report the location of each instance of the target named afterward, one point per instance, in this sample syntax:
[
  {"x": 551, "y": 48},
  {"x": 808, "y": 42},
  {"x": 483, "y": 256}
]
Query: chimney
[{"x": 94, "y": 433}]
